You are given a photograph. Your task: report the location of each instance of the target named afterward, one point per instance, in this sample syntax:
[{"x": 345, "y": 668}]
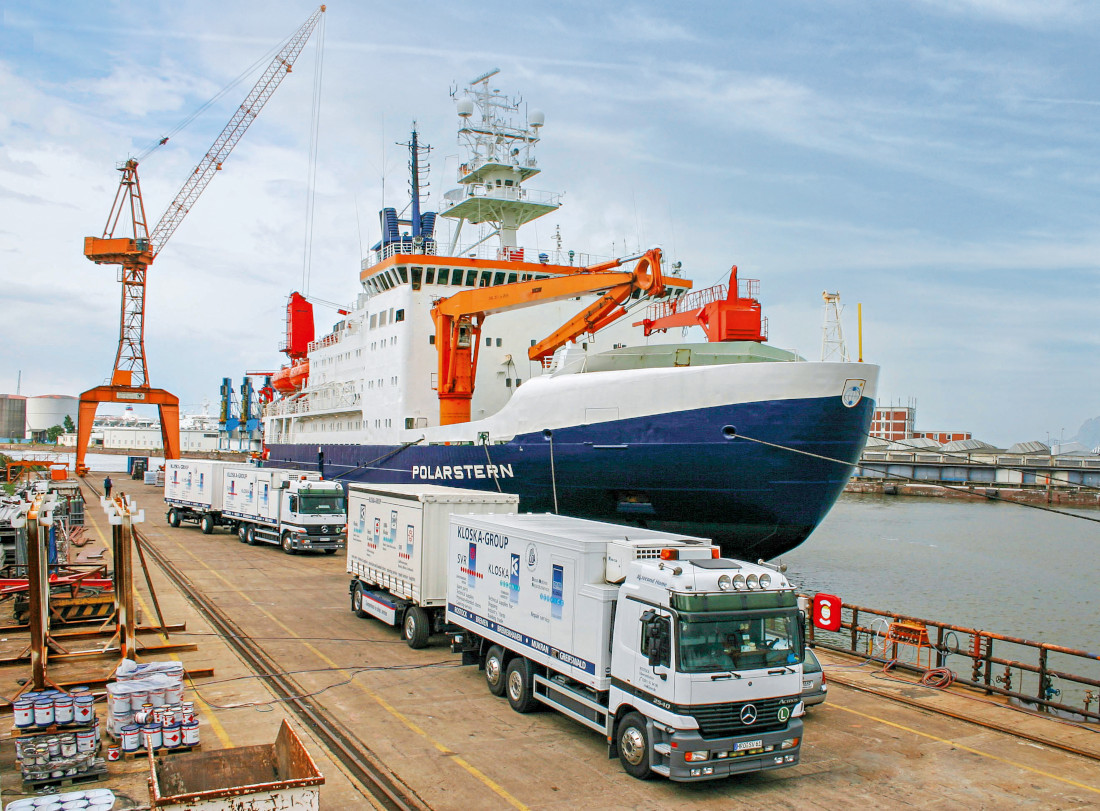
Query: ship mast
[{"x": 499, "y": 160}]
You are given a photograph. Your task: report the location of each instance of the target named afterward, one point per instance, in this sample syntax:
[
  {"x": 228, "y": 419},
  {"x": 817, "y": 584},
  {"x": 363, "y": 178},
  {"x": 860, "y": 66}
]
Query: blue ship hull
[{"x": 713, "y": 472}]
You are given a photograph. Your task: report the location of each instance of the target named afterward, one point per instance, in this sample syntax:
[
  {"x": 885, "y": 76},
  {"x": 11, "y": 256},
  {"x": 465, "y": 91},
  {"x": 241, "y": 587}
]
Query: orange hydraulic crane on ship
[
  {"x": 722, "y": 312},
  {"x": 458, "y": 319},
  {"x": 130, "y": 376}
]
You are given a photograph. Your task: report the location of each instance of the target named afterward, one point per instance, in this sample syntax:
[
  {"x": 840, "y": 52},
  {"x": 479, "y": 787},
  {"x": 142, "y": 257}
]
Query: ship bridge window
[
  {"x": 429, "y": 276},
  {"x": 511, "y": 278},
  {"x": 399, "y": 315},
  {"x": 498, "y": 341},
  {"x": 471, "y": 278},
  {"x": 444, "y": 276},
  {"x": 404, "y": 274},
  {"x": 417, "y": 274},
  {"x": 498, "y": 279},
  {"x": 509, "y": 183}
]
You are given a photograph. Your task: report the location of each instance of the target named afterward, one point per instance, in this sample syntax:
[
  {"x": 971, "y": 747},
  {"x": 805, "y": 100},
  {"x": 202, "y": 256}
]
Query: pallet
[
  {"x": 163, "y": 750},
  {"x": 89, "y": 776},
  {"x": 52, "y": 729}
]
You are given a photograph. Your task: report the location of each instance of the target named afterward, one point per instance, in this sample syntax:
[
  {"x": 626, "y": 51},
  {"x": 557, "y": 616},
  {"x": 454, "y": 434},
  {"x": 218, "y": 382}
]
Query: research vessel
[{"x": 468, "y": 359}]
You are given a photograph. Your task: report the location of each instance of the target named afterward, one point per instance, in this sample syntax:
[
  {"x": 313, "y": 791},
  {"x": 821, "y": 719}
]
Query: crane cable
[{"x": 311, "y": 174}]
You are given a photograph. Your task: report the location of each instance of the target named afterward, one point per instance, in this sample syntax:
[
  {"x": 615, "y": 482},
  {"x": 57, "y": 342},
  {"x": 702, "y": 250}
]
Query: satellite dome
[
  {"x": 537, "y": 118},
  {"x": 465, "y": 108}
]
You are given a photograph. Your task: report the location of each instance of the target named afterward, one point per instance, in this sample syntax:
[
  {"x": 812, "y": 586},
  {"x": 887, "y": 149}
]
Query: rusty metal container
[{"x": 272, "y": 777}]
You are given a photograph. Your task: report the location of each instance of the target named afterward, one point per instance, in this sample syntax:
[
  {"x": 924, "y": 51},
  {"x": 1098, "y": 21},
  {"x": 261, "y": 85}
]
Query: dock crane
[
  {"x": 130, "y": 376},
  {"x": 458, "y": 319}
]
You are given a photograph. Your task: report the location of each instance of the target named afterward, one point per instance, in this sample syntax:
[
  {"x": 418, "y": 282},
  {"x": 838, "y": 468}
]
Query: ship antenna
[{"x": 415, "y": 169}]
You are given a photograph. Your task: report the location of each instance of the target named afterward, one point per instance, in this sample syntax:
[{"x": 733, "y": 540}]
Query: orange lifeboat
[
  {"x": 299, "y": 372},
  {"x": 280, "y": 381}
]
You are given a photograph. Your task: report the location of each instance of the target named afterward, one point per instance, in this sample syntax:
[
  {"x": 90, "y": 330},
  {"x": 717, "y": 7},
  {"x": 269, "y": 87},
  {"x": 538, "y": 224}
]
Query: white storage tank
[{"x": 48, "y": 410}]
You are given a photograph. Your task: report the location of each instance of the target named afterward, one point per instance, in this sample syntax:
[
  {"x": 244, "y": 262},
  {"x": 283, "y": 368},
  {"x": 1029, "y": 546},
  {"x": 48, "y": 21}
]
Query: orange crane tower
[{"x": 130, "y": 377}]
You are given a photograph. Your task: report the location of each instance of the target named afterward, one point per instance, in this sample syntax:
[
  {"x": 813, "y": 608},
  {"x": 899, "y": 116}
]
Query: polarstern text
[{"x": 461, "y": 472}]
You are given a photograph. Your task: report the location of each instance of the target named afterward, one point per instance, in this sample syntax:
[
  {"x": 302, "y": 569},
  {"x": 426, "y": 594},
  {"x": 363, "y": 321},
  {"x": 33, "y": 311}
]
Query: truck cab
[
  {"x": 707, "y": 651},
  {"x": 312, "y": 515}
]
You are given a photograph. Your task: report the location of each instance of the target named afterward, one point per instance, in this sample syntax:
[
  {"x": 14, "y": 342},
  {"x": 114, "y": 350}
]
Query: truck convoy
[
  {"x": 397, "y": 550},
  {"x": 688, "y": 663},
  {"x": 298, "y": 511}
]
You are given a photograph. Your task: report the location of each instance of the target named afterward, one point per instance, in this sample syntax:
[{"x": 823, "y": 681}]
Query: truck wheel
[
  {"x": 288, "y": 547},
  {"x": 173, "y": 517},
  {"x": 207, "y": 524},
  {"x": 242, "y": 533},
  {"x": 417, "y": 627},
  {"x": 519, "y": 683},
  {"x": 357, "y": 602},
  {"x": 494, "y": 670},
  {"x": 250, "y": 535},
  {"x": 633, "y": 744}
]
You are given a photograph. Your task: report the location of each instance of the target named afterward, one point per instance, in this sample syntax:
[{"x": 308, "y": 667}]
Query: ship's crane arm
[{"x": 458, "y": 319}]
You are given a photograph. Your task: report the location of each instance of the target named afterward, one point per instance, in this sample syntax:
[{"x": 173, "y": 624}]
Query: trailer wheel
[
  {"x": 494, "y": 670},
  {"x": 357, "y": 602},
  {"x": 519, "y": 682},
  {"x": 173, "y": 517},
  {"x": 633, "y": 745},
  {"x": 250, "y": 535},
  {"x": 288, "y": 547},
  {"x": 417, "y": 627},
  {"x": 242, "y": 533},
  {"x": 207, "y": 524}
]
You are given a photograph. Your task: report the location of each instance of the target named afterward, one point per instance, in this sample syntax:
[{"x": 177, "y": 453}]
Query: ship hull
[{"x": 757, "y": 477}]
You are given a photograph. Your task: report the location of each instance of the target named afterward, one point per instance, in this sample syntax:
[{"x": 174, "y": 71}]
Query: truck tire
[
  {"x": 632, "y": 741},
  {"x": 250, "y": 535},
  {"x": 519, "y": 685},
  {"x": 173, "y": 517},
  {"x": 242, "y": 533},
  {"x": 357, "y": 602},
  {"x": 494, "y": 670},
  {"x": 416, "y": 627},
  {"x": 207, "y": 524},
  {"x": 287, "y": 546}
]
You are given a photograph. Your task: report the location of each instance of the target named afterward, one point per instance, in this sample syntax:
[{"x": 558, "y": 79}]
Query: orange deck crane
[
  {"x": 722, "y": 311},
  {"x": 458, "y": 319},
  {"x": 130, "y": 377}
]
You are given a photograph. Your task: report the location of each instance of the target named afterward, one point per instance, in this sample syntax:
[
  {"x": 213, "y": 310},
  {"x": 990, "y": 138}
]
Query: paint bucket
[
  {"x": 121, "y": 697},
  {"x": 131, "y": 738},
  {"x": 113, "y": 753},
  {"x": 63, "y": 710},
  {"x": 43, "y": 712},
  {"x": 189, "y": 733},
  {"x": 156, "y": 696},
  {"x": 85, "y": 741},
  {"x": 138, "y": 697},
  {"x": 54, "y": 744},
  {"x": 24, "y": 713},
  {"x": 68, "y": 745},
  {"x": 83, "y": 709},
  {"x": 173, "y": 694},
  {"x": 152, "y": 737},
  {"x": 171, "y": 735}
]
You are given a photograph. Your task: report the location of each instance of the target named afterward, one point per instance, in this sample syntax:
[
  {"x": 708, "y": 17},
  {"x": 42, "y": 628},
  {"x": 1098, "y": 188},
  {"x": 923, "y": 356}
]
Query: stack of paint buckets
[
  {"x": 68, "y": 739},
  {"x": 146, "y": 710}
]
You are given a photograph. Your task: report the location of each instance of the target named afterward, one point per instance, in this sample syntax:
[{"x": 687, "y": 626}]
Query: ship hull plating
[{"x": 756, "y": 477}]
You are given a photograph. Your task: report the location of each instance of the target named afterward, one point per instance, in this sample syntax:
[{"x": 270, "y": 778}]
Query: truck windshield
[
  {"x": 320, "y": 503},
  {"x": 710, "y": 643}
]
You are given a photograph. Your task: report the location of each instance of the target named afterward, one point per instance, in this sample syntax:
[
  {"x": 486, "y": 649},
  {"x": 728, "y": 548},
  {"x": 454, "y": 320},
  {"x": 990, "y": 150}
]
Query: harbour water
[{"x": 997, "y": 567}]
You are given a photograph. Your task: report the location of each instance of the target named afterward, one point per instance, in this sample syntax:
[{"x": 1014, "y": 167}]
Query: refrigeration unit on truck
[
  {"x": 296, "y": 510},
  {"x": 397, "y": 550},
  {"x": 688, "y": 663}
]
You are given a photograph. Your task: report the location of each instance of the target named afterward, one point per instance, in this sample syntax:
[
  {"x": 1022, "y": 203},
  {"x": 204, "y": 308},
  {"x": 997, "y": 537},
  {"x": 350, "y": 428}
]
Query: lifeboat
[
  {"x": 280, "y": 381},
  {"x": 299, "y": 372}
]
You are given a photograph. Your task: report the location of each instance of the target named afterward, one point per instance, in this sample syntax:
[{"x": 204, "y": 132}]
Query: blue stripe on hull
[{"x": 706, "y": 472}]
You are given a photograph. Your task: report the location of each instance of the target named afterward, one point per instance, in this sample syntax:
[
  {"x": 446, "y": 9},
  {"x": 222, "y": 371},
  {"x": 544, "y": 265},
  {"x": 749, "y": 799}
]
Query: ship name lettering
[{"x": 461, "y": 472}]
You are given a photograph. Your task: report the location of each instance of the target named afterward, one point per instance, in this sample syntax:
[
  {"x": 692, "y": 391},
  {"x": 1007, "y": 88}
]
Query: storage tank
[
  {"x": 48, "y": 410},
  {"x": 13, "y": 416}
]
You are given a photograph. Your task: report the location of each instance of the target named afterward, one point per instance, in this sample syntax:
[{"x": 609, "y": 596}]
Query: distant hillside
[{"x": 1089, "y": 433}]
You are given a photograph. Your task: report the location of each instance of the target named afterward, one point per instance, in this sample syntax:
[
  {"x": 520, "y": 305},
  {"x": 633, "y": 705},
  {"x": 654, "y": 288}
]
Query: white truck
[
  {"x": 298, "y": 511},
  {"x": 688, "y": 663},
  {"x": 397, "y": 550}
]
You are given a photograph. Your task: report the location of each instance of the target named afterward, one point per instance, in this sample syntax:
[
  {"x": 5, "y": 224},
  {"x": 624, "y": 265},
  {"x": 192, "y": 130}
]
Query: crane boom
[{"x": 129, "y": 377}]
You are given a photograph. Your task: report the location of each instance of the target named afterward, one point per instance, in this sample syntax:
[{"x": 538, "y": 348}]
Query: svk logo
[
  {"x": 513, "y": 581},
  {"x": 471, "y": 566},
  {"x": 748, "y": 714},
  {"x": 853, "y": 393}
]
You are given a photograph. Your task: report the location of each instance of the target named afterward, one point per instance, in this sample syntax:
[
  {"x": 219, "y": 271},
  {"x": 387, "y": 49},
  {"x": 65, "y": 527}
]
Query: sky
[{"x": 933, "y": 160}]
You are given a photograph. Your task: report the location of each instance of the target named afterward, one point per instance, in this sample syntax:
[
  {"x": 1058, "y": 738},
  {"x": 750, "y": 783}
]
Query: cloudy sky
[{"x": 935, "y": 160}]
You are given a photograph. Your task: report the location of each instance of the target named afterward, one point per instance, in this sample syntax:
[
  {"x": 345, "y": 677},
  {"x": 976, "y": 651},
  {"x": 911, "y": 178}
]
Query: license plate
[
  {"x": 807, "y": 684},
  {"x": 746, "y": 745}
]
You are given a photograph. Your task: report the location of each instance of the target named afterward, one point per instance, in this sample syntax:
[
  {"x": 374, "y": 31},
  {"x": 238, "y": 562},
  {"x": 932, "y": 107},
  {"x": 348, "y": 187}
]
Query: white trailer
[
  {"x": 397, "y": 550},
  {"x": 193, "y": 492},
  {"x": 688, "y": 663},
  {"x": 298, "y": 511}
]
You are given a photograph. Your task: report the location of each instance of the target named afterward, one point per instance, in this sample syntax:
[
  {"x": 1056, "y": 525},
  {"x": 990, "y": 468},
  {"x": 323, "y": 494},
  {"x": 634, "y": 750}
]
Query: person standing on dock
[{"x": 107, "y": 487}]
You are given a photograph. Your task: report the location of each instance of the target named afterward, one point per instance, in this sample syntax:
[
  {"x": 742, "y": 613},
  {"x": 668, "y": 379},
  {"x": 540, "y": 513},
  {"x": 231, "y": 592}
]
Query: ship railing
[
  {"x": 1030, "y": 674},
  {"x": 328, "y": 340},
  {"x": 517, "y": 194}
]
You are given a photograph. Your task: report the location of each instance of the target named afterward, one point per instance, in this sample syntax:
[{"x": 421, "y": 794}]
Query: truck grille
[{"x": 725, "y": 719}]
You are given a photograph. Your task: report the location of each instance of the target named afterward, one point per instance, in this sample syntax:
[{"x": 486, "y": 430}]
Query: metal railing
[{"x": 1044, "y": 682}]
